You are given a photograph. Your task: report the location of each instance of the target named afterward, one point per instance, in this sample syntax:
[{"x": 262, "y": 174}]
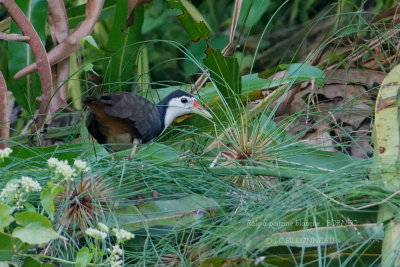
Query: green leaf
[
  {"x": 37, "y": 229},
  {"x": 225, "y": 72},
  {"x": 122, "y": 45},
  {"x": 46, "y": 198},
  {"x": 5, "y": 216},
  {"x": 300, "y": 72},
  {"x": 157, "y": 152},
  {"x": 27, "y": 217},
  {"x": 30, "y": 262},
  {"x": 172, "y": 213},
  {"x": 35, "y": 234},
  {"x": 192, "y": 20},
  {"x": 6, "y": 247},
  {"x": 77, "y": 14},
  {"x": 83, "y": 257},
  {"x": 257, "y": 9},
  {"x": 26, "y": 89}
]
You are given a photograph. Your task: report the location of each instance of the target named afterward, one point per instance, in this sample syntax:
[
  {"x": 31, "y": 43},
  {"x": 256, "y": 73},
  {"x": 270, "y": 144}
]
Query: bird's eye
[{"x": 184, "y": 100}]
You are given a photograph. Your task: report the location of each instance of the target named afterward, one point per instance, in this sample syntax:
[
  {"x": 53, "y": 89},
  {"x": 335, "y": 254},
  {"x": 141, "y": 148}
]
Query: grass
[{"x": 235, "y": 190}]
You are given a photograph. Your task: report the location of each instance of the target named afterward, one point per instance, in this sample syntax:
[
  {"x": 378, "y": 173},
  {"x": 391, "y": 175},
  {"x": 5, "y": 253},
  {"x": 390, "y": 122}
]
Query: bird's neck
[
  {"x": 162, "y": 111},
  {"x": 166, "y": 117}
]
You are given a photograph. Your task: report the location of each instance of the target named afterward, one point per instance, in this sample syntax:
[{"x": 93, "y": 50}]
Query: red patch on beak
[{"x": 195, "y": 104}]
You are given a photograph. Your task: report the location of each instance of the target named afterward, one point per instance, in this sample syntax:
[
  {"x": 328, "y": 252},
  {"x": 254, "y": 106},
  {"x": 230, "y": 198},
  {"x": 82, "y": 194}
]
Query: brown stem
[
  {"x": 4, "y": 113},
  {"x": 14, "y": 37},
  {"x": 59, "y": 29},
  {"x": 71, "y": 44},
  {"x": 38, "y": 52}
]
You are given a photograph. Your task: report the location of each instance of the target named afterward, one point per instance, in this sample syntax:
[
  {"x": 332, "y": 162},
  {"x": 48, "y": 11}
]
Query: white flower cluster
[
  {"x": 61, "y": 168},
  {"x": 116, "y": 254},
  {"x": 4, "y": 153},
  {"x": 96, "y": 234},
  {"x": 122, "y": 235},
  {"x": 103, "y": 227},
  {"x": 81, "y": 166},
  {"x": 16, "y": 191},
  {"x": 30, "y": 185}
]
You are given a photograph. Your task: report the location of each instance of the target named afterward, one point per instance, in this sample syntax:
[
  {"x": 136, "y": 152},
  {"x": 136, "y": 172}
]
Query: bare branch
[
  {"x": 14, "y": 37},
  {"x": 39, "y": 53},
  {"x": 71, "y": 44},
  {"x": 4, "y": 113},
  {"x": 59, "y": 29}
]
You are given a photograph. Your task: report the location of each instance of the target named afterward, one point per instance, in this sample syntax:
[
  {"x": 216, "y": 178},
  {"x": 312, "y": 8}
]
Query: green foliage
[
  {"x": 122, "y": 46},
  {"x": 274, "y": 202},
  {"x": 36, "y": 229},
  {"x": 6, "y": 247},
  {"x": 192, "y": 20},
  {"x": 83, "y": 257},
  {"x": 5, "y": 216},
  {"x": 225, "y": 73}
]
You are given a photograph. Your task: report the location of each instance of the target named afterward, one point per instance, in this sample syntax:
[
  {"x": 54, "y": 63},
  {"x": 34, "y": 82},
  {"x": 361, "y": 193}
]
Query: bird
[{"x": 123, "y": 120}]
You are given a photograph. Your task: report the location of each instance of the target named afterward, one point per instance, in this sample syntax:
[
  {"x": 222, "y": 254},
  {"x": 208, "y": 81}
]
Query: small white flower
[
  {"x": 116, "y": 255},
  {"x": 4, "y": 153},
  {"x": 81, "y": 166},
  {"x": 103, "y": 227},
  {"x": 96, "y": 234},
  {"x": 30, "y": 185},
  {"x": 52, "y": 163},
  {"x": 122, "y": 235}
]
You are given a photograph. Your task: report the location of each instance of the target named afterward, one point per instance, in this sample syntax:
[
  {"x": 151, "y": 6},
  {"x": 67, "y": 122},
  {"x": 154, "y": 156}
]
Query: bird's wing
[{"x": 138, "y": 111}]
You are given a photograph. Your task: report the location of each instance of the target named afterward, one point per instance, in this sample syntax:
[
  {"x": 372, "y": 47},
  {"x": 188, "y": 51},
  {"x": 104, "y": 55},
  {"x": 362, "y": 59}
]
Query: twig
[
  {"x": 71, "y": 44},
  {"x": 14, "y": 37},
  {"x": 358, "y": 208},
  {"x": 4, "y": 113}
]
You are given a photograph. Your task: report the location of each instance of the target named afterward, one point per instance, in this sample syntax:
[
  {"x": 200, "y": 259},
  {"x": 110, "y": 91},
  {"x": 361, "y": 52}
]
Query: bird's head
[{"x": 180, "y": 103}]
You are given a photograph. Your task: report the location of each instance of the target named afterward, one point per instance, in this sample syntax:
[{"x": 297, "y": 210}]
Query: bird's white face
[{"x": 183, "y": 105}]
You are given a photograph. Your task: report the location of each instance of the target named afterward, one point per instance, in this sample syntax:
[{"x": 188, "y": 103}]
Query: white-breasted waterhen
[{"x": 124, "y": 119}]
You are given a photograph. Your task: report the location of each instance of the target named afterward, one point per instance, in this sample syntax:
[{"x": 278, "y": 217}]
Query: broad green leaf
[
  {"x": 192, "y": 20},
  {"x": 26, "y": 89},
  {"x": 35, "y": 234},
  {"x": 225, "y": 73},
  {"x": 300, "y": 72},
  {"x": 122, "y": 46},
  {"x": 386, "y": 159},
  {"x": 157, "y": 152},
  {"x": 5, "y": 216},
  {"x": 257, "y": 9},
  {"x": 170, "y": 213},
  {"x": 6, "y": 247},
  {"x": 295, "y": 163},
  {"x": 83, "y": 257},
  {"x": 27, "y": 217},
  {"x": 77, "y": 14},
  {"x": 30, "y": 262},
  {"x": 46, "y": 198}
]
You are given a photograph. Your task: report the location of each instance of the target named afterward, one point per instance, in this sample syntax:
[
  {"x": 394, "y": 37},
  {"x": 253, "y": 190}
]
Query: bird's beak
[{"x": 199, "y": 109}]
